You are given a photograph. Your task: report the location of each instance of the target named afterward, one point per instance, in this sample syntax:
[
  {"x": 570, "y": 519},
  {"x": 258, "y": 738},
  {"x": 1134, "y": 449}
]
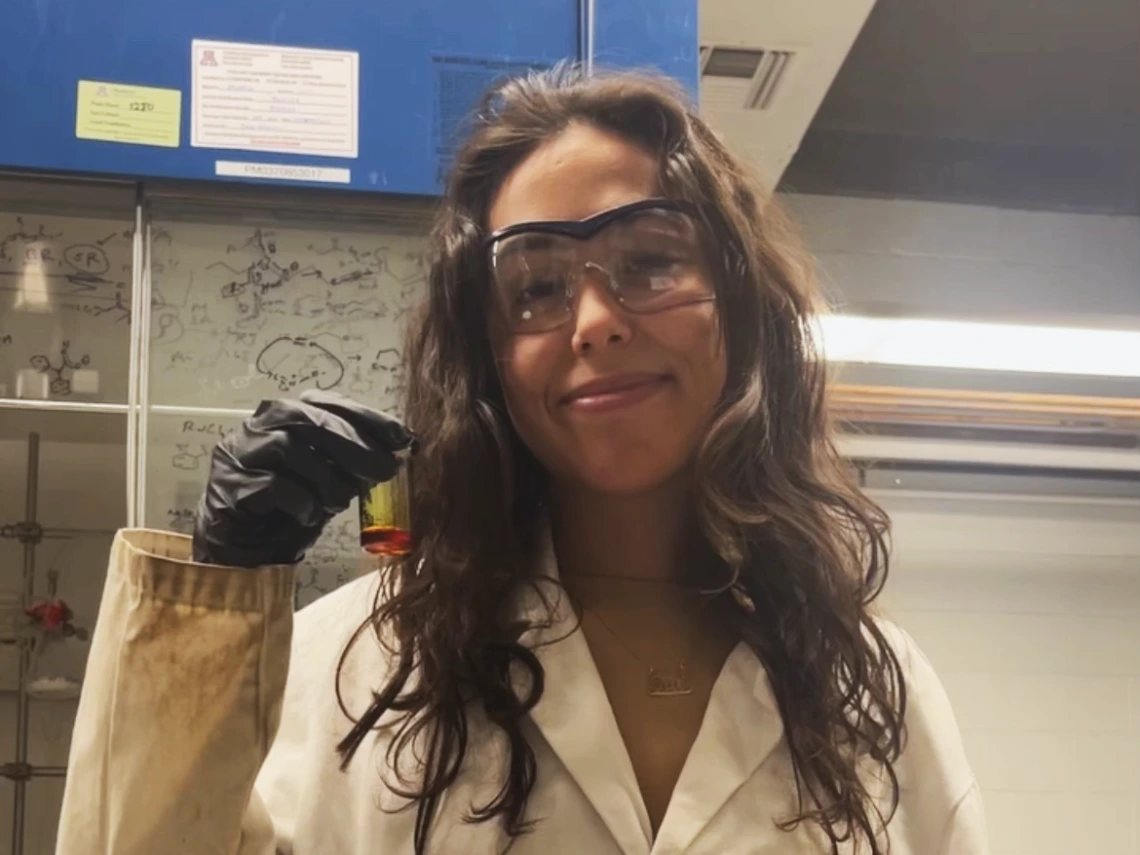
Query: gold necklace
[{"x": 661, "y": 682}]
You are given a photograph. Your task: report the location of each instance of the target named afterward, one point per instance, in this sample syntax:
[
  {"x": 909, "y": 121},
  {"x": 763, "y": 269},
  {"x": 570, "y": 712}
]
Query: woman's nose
[{"x": 599, "y": 319}]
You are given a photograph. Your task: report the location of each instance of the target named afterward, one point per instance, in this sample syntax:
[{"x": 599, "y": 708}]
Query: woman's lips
[{"x": 615, "y": 392}]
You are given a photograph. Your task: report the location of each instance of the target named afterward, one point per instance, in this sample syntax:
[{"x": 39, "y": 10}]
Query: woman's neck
[{"x": 645, "y": 537}]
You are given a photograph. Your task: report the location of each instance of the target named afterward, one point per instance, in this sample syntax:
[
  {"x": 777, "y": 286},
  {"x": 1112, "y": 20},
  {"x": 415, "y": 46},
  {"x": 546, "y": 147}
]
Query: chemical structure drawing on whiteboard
[
  {"x": 240, "y": 315},
  {"x": 277, "y": 311},
  {"x": 60, "y": 374},
  {"x": 65, "y": 279}
]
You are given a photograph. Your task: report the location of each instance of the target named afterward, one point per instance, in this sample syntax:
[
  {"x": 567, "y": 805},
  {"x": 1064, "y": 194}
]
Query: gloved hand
[{"x": 292, "y": 467}]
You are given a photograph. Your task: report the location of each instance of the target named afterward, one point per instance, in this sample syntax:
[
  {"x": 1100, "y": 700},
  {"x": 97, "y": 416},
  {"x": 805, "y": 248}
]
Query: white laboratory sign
[
  {"x": 270, "y": 98},
  {"x": 283, "y": 172}
]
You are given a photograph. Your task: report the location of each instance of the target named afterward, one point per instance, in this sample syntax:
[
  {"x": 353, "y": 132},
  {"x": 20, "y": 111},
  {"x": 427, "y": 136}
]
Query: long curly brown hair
[{"x": 803, "y": 550}]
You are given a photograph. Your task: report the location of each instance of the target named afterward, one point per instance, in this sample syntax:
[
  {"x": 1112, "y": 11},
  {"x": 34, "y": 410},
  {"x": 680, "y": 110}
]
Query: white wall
[
  {"x": 894, "y": 256},
  {"x": 1029, "y": 609},
  {"x": 1030, "y": 612}
]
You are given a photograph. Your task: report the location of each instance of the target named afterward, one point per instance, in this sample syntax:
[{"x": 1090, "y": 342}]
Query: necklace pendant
[{"x": 669, "y": 682}]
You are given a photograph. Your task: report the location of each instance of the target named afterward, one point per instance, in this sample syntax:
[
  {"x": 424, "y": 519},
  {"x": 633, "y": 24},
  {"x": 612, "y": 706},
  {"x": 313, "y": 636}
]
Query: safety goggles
[{"x": 648, "y": 254}]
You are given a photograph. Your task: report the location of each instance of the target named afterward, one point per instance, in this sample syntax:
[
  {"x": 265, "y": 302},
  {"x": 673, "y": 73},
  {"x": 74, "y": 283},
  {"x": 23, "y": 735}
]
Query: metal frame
[
  {"x": 589, "y": 28},
  {"x": 1018, "y": 415},
  {"x": 141, "y": 369},
  {"x": 133, "y": 380},
  {"x": 29, "y": 532},
  {"x": 1005, "y": 455}
]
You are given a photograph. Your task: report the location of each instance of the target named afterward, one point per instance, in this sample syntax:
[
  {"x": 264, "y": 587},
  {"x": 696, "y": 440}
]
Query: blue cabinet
[{"x": 420, "y": 66}]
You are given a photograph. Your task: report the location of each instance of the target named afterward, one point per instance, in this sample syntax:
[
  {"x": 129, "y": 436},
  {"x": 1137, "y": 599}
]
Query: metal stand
[{"x": 29, "y": 532}]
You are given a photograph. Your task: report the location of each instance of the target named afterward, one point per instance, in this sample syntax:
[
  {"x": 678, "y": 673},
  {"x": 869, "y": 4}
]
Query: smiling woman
[
  {"x": 654, "y": 370},
  {"x": 637, "y": 616},
  {"x": 675, "y": 448}
]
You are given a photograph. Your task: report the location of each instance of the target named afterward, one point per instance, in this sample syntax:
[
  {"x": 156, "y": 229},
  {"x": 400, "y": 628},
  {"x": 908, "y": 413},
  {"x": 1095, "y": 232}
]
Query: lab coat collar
[
  {"x": 740, "y": 729},
  {"x": 575, "y": 717}
]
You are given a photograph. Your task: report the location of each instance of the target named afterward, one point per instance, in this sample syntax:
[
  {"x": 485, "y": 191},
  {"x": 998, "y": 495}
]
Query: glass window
[
  {"x": 250, "y": 303},
  {"x": 66, "y": 283},
  {"x": 65, "y": 292}
]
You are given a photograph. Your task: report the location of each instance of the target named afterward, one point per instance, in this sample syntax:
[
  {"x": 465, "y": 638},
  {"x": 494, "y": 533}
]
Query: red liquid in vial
[{"x": 385, "y": 540}]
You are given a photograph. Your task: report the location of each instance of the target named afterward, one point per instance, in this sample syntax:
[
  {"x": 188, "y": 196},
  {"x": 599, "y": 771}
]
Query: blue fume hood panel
[{"x": 420, "y": 66}]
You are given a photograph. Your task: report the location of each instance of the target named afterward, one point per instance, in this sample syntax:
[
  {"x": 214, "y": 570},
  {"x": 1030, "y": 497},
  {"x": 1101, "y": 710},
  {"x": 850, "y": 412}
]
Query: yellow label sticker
[{"x": 119, "y": 112}]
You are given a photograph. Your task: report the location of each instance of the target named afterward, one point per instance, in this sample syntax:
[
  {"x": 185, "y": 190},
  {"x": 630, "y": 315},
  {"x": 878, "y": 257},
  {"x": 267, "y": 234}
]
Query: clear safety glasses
[{"x": 647, "y": 253}]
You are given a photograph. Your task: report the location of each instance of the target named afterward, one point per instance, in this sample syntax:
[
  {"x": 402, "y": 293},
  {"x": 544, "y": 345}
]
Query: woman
[{"x": 637, "y": 618}]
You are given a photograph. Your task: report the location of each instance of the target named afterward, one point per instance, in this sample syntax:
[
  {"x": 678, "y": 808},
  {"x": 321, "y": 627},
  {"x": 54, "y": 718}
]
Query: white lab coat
[{"x": 203, "y": 731}]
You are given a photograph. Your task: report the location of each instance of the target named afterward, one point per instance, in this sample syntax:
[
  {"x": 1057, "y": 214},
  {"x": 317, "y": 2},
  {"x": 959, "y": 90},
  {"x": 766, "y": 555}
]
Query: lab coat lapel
[
  {"x": 741, "y": 728},
  {"x": 575, "y": 718}
]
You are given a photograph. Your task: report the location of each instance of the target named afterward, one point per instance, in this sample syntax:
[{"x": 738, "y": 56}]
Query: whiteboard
[
  {"x": 245, "y": 313},
  {"x": 65, "y": 296},
  {"x": 239, "y": 313}
]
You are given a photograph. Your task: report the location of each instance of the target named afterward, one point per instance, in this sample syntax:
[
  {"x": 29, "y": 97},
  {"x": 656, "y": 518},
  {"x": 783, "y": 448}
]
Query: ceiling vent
[
  {"x": 765, "y": 68},
  {"x": 735, "y": 78}
]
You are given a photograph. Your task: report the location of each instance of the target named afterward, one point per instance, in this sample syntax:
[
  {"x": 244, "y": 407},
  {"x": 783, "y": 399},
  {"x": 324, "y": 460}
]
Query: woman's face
[{"x": 611, "y": 401}]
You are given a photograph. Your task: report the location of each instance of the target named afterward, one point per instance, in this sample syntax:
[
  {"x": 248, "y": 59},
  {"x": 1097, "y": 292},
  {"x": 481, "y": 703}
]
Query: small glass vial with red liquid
[{"x": 385, "y": 516}]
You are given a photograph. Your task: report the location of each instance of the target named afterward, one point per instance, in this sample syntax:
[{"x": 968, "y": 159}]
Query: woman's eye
[
  {"x": 652, "y": 273},
  {"x": 652, "y": 263},
  {"x": 537, "y": 292}
]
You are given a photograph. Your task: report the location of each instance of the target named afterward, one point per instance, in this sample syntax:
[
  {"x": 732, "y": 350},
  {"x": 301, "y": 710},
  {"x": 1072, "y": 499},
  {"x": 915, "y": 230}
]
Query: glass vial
[{"x": 385, "y": 516}]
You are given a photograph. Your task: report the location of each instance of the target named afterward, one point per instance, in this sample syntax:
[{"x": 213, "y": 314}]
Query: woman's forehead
[{"x": 579, "y": 173}]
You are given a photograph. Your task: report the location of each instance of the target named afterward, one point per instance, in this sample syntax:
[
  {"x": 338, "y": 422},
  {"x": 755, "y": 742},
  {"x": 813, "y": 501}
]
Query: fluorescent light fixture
[{"x": 979, "y": 346}]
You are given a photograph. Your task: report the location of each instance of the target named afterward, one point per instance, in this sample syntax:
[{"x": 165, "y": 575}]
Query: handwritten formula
[
  {"x": 241, "y": 315},
  {"x": 238, "y": 314},
  {"x": 65, "y": 285}
]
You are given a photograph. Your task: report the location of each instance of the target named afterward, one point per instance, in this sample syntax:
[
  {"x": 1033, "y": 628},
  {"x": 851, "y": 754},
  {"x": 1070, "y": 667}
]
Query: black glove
[{"x": 292, "y": 467}]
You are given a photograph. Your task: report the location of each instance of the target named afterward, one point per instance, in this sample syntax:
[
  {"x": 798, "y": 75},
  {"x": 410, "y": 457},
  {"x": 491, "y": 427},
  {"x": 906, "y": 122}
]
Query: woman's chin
[{"x": 623, "y": 480}]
